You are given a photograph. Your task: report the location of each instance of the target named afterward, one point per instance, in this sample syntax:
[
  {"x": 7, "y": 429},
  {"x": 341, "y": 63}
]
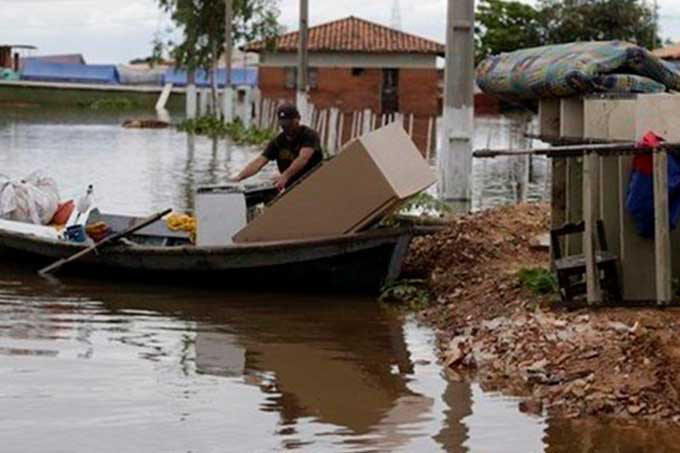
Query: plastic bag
[{"x": 33, "y": 199}]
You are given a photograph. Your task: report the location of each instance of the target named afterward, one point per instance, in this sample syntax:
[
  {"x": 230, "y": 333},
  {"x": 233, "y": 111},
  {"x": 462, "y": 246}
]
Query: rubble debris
[{"x": 610, "y": 362}]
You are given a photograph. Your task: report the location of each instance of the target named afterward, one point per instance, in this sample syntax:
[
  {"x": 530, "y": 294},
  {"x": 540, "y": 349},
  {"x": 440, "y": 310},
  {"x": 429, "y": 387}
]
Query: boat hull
[{"x": 359, "y": 263}]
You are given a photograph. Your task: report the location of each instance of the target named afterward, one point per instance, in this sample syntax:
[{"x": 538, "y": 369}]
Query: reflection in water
[
  {"x": 171, "y": 369},
  {"x": 586, "y": 436}
]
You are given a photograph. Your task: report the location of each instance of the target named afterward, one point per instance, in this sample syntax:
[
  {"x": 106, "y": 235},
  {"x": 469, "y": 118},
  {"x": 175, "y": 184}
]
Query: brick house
[{"x": 354, "y": 65}]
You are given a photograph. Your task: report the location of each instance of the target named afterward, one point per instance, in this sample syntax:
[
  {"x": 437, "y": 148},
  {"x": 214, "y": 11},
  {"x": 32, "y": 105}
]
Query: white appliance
[{"x": 220, "y": 213}]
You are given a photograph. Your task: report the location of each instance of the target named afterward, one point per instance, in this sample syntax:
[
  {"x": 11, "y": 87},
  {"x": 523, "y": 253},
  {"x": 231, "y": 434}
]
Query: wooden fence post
[
  {"x": 590, "y": 215},
  {"x": 331, "y": 143},
  {"x": 367, "y": 121},
  {"x": 662, "y": 242},
  {"x": 428, "y": 148}
]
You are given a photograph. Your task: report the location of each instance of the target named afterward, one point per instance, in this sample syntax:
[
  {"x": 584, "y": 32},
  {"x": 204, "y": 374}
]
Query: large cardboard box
[{"x": 370, "y": 176}]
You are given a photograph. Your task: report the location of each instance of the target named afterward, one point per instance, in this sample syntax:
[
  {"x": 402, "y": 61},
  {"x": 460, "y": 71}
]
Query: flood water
[{"x": 112, "y": 366}]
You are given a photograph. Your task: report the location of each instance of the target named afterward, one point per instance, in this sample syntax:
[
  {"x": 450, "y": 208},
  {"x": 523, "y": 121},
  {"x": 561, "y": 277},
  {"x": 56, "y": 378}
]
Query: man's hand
[{"x": 280, "y": 182}]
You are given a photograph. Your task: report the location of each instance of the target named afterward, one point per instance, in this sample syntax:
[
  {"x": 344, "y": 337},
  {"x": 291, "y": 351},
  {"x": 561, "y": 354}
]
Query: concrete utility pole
[
  {"x": 303, "y": 61},
  {"x": 191, "y": 95},
  {"x": 455, "y": 155},
  {"x": 228, "y": 98}
]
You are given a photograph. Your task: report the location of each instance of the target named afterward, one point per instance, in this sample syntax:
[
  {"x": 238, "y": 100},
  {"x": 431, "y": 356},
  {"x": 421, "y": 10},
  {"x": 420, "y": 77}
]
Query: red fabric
[
  {"x": 650, "y": 140},
  {"x": 644, "y": 163},
  {"x": 63, "y": 213}
]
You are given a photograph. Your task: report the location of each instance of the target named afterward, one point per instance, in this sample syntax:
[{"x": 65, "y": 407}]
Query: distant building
[
  {"x": 74, "y": 58},
  {"x": 355, "y": 65}
]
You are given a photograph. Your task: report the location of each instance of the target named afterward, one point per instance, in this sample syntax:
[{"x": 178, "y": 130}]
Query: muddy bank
[{"x": 617, "y": 362}]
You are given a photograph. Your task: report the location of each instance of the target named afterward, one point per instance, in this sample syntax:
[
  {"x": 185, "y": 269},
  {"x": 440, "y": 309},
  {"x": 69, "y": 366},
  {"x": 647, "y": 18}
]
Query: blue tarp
[
  {"x": 60, "y": 72},
  {"x": 239, "y": 76}
]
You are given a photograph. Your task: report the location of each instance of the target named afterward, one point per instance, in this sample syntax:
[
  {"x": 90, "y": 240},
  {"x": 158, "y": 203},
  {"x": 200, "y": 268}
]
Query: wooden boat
[{"x": 361, "y": 262}]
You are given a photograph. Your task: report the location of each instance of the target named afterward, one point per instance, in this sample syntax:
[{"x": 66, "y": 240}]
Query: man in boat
[{"x": 297, "y": 150}]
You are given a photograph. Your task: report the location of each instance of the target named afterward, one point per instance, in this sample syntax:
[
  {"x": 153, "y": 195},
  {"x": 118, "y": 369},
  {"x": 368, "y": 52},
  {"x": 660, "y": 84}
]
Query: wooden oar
[{"x": 54, "y": 266}]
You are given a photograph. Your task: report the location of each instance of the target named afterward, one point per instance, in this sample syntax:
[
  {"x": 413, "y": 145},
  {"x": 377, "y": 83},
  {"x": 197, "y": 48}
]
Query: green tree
[
  {"x": 203, "y": 30},
  {"x": 202, "y": 26},
  {"x": 504, "y": 26},
  {"x": 598, "y": 20}
]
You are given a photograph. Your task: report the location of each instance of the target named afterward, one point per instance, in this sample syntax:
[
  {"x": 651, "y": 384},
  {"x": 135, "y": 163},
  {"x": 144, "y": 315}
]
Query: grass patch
[
  {"x": 113, "y": 104},
  {"x": 539, "y": 280},
  {"x": 236, "y": 131}
]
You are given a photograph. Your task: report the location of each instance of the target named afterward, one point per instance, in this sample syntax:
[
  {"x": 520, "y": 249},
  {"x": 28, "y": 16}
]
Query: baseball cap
[{"x": 287, "y": 112}]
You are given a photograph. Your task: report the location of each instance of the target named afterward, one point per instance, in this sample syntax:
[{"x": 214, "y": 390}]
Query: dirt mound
[
  {"x": 472, "y": 265},
  {"x": 604, "y": 362}
]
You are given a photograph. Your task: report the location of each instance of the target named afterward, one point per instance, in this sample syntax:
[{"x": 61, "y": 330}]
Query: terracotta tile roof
[
  {"x": 671, "y": 52},
  {"x": 353, "y": 34}
]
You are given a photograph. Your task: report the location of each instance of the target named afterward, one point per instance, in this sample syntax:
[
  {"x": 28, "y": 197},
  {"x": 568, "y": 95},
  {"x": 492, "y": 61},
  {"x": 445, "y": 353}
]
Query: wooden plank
[
  {"x": 609, "y": 201},
  {"x": 558, "y": 215},
  {"x": 367, "y": 121},
  {"x": 637, "y": 253},
  {"x": 428, "y": 149},
  {"x": 353, "y": 130},
  {"x": 341, "y": 131},
  {"x": 322, "y": 124},
  {"x": 590, "y": 213},
  {"x": 549, "y": 117},
  {"x": 574, "y": 203},
  {"x": 662, "y": 240},
  {"x": 571, "y": 118},
  {"x": 163, "y": 98},
  {"x": 609, "y": 178},
  {"x": 332, "y": 142}
]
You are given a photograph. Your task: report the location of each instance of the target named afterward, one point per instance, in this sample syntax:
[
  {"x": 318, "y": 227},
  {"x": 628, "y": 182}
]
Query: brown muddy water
[{"x": 112, "y": 366}]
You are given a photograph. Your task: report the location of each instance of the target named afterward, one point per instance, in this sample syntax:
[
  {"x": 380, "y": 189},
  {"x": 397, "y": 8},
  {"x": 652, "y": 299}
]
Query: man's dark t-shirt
[{"x": 285, "y": 151}]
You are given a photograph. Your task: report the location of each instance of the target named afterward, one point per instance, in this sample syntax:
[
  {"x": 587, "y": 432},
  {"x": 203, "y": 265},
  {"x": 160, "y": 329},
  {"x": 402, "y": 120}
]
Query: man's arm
[
  {"x": 295, "y": 167},
  {"x": 252, "y": 168}
]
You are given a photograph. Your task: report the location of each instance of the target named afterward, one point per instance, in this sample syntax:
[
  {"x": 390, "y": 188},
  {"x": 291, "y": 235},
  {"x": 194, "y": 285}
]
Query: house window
[
  {"x": 356, "y": 72},
  {"x": 291, "y": 77},
  {"x": 312, "y": 77}
]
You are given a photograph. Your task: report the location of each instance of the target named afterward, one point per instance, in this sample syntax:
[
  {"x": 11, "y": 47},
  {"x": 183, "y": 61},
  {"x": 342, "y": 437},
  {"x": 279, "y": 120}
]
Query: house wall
[
  {"x": 351, "y": 59},
  {"x": 419, "y": 92}
]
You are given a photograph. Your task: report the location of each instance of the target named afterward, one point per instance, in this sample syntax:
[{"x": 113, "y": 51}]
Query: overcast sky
[{"x": 118, "y": 31}]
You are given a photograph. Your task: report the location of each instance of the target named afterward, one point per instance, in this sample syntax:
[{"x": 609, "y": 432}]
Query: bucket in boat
[{"x": 75, "y": 233}]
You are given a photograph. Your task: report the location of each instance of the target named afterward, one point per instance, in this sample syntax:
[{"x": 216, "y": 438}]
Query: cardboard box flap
[
  {"x": 330, "y": 201},
  {"x": 399, "y": 160}
]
